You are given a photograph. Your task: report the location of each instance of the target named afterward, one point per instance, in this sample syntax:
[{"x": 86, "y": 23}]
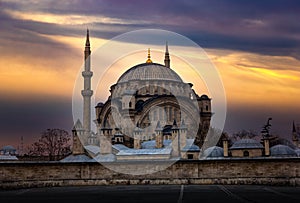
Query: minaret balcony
[
  {"x": 87, "y": 73},
  {"x": 86, "y": 93}
]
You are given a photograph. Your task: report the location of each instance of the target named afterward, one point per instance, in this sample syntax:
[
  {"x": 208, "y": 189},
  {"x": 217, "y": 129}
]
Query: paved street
[{"x": 154, "y": 193}]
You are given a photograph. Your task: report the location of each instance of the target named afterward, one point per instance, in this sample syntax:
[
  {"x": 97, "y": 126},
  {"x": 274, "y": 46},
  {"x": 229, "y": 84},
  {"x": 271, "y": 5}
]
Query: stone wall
[{"x": 227, "y": 171}]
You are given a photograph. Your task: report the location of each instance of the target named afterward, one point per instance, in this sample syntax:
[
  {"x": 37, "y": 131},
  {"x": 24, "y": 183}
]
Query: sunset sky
[{"x": 255, "y": 46}]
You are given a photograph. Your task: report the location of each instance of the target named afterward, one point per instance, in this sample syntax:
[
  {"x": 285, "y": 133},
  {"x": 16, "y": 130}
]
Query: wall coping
[{"x": 211, "y": 160}]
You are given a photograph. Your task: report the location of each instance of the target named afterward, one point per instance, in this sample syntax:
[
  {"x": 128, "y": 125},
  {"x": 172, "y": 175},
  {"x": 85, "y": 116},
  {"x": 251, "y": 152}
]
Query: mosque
[{"x": 152, "y": 114}]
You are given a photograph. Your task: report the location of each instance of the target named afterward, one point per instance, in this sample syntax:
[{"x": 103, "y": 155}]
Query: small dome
[
  {"x": 8, "y": 148},
  {"x": 204, "y": 97},
  {"x": 214, "y": 151},
  {"x": 190, "y": 146},
  {"x": 282, "y": 150},
  {"x": 150, "y": 71},
  {"x": 247, "y": 144}
]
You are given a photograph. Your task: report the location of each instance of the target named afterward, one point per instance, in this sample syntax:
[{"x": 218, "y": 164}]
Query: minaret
[
  {"x": 167, "y": 56},
  {"x": 87, "y": 92},
  {"x": 294, "y": 135}
]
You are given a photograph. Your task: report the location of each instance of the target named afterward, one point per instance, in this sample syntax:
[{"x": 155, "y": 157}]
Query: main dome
[{"x": 149, "y": 71}]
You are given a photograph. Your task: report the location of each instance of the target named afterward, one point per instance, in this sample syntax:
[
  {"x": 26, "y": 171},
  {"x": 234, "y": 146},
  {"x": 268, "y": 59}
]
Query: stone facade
[
  {"x": 247, "y": 148},
  {"x": 247, "y": 153},
  {"x": 269, "y": 171}
]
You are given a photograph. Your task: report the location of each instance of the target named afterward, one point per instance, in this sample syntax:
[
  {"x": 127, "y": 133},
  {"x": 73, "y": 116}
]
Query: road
[{"x": 154, "y": 194}]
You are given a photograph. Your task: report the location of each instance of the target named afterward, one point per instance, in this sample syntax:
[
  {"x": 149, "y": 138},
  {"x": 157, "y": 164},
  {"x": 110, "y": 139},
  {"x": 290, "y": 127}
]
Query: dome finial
[
  {"x": 294, "y": 127},
  {"x": 149, "y": 57}
]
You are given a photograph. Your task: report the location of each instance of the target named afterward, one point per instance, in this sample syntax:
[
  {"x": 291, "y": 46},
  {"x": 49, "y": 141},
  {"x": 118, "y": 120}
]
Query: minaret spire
[
  {"x": 87, "y": 42},
  {"x": 167, "y": 47},
  {"x": 294, "y": 127},
  {"x": 167, "y": 56},
  {"x": 87, "y": 50},
  {"x": 295, "y": 138},
  {"x": 87, "y": 92}
]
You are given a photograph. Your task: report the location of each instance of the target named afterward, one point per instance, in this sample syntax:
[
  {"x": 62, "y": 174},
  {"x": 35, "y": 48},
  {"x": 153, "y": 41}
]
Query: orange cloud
[{"x": 259, "y": 80}]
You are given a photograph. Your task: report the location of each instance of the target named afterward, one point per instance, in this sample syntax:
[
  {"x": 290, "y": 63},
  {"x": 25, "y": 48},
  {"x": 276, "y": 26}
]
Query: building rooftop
[
  {"x": 92, "y": 149},
  {"x": 161, "y": 151},
  {"x": 152, "y": 144},
  {"x": 77, "y": 158},
  {"x": 247, "y": 144},
  {"x": 8, "y": 158}
]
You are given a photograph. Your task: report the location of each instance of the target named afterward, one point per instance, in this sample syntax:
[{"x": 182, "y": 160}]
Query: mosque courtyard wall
[{"x": 263, "y": 171}]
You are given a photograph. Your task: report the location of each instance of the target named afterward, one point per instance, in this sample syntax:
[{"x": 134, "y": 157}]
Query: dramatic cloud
[
  {"x": 254, "y": 44},
  {"x": 268, "y": 27}
]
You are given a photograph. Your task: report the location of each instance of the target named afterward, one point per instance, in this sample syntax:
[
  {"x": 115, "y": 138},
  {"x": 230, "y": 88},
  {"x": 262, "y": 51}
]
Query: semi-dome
[
  {"x": 247, "y": 144},
  {"x": 150, "y": 71},
  {"x": 282, "y": 150}
]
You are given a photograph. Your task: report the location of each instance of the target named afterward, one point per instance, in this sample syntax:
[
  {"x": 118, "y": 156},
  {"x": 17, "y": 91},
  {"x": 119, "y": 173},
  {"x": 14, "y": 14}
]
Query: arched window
[
  {"x": 130, "y": 104},
  {"x": 206, "y": 107},
  {"x": 246, "y": 153}
]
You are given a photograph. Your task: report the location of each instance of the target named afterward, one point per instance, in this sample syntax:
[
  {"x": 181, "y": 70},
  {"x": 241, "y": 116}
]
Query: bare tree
[
  {"x": 52, "y": 143},
  {"x": 244, "y": 134},
  {"x": 283, "y": 141}
]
